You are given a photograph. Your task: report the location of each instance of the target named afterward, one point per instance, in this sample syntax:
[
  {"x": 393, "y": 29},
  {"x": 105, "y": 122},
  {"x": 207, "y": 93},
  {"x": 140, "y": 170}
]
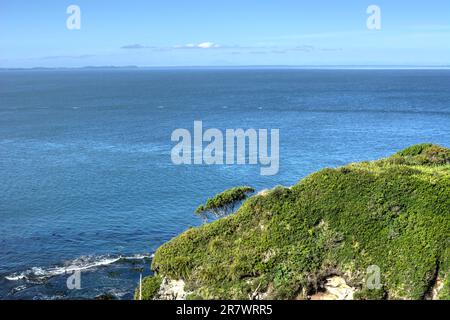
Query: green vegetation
[
  {"x": 224, "y": 203},
  {"x": 393, "y": 213},
  {"x": 150, "y": 287},
  {"x": 422, "y": 154}
]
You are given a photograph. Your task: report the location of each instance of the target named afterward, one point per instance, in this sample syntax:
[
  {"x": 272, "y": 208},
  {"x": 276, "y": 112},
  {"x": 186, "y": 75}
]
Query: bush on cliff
[
  {"x": 224, "y": 203},
  {"x": 393, "y": 213},
  {"x": 150, "y": 287}
]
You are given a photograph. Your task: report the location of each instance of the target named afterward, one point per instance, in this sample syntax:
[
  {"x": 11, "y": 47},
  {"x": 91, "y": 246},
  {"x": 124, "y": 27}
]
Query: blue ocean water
[{"x": 86, "y": 178}]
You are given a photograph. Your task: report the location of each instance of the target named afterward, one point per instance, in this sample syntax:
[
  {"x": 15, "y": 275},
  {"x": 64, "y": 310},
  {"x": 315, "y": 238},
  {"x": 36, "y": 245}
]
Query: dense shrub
[
  {"x": 224, "y": 203},
  {"x": 393, "y": 213},
  {"x": 150, "y": 287},
  {"x": 423, "y": 154}
]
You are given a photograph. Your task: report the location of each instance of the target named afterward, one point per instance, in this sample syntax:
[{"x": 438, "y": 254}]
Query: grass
[{"x": 393, "y": 213}]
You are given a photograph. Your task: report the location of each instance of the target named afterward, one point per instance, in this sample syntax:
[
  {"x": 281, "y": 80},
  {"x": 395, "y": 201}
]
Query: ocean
[{"x": 86, "y": 177}]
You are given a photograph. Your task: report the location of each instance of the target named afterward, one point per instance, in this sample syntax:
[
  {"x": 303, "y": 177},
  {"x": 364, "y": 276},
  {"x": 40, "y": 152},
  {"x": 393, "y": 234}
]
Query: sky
[{"x": 223, "y": 33}]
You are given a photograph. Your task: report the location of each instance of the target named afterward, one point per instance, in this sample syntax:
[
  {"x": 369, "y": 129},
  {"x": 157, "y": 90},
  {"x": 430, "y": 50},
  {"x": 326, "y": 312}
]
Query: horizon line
[{"x": 343, "y": 67}]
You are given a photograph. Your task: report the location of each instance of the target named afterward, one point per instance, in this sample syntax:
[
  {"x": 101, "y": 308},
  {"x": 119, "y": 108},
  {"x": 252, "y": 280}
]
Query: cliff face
[{"x": 373, "y": 230}]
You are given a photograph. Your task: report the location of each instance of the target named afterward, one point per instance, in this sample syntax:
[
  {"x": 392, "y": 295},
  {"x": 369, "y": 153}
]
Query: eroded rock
[
  {"x": 335, "y": 288},
  {"x": 171, "y": 290}
]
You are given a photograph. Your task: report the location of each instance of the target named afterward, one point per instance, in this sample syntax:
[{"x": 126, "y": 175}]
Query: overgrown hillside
[{"x": 393, "y": 213}]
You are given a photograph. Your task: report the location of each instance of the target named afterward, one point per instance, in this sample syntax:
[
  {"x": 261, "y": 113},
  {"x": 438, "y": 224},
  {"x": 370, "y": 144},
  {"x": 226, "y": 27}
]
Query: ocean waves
[{"x": 40, "y": 275}]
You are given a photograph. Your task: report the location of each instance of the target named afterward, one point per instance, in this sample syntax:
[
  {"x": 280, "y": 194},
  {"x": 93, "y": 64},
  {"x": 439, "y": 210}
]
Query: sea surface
[{"x": 86, "y": 177}]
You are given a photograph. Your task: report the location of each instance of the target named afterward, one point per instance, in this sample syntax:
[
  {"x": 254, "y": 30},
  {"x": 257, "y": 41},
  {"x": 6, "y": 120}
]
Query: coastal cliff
[{"x": 369, "y": 230}]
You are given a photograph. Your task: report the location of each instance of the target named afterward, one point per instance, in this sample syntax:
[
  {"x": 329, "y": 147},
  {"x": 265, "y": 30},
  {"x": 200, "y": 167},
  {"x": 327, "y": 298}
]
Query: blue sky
[{"x": 223, "y": 32}]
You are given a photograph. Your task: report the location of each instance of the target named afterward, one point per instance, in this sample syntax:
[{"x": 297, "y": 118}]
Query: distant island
[
  {"x": 369, "y": 230},
  {"x": 70, "y": 69}
]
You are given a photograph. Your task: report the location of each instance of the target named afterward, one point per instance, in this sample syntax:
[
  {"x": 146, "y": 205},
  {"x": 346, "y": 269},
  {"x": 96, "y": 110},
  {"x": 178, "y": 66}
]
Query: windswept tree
[{"x": 224, "y": 203}]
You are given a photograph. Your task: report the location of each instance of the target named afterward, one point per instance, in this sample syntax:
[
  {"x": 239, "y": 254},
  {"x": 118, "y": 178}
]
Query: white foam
[
  {"x": 79, "y": 264},
  {"x": 139, "y": 257}
]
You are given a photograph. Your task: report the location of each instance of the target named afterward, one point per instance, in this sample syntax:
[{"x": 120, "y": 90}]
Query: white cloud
[
  {"x": 207, "y": 45},
  {"x": 202, "y": 45}
]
